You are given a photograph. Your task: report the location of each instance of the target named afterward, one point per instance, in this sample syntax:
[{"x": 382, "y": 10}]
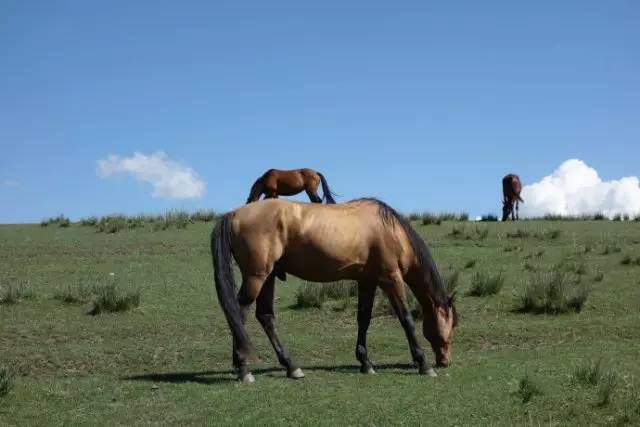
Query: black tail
[
  {"x": 225, "y": 284},
  {"x": 256, "y": 190},
  {"x": 327, "y": 194}
]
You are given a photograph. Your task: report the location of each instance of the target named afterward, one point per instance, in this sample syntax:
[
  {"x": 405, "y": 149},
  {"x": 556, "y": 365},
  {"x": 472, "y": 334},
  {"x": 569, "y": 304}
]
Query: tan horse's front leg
[
  {"x": 396, "y": 293},
  {"x": 366, "y": 296}
]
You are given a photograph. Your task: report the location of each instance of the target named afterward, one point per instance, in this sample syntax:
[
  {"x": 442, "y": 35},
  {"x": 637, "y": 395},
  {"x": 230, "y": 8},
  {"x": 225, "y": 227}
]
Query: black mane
[{"x": 388, "y": 215}]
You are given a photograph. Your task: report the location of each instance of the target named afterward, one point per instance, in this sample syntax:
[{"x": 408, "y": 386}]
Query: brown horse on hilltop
[
  {"x": 363, "y": 240},
  {"x": 511, "y": 188},
  {"x": 287, "y": 183}
]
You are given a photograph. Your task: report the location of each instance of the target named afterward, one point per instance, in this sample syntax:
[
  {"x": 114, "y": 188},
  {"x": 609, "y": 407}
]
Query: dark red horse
[
  {"x": 511, "y": 188},
  {"x": 287, "y": 183}
]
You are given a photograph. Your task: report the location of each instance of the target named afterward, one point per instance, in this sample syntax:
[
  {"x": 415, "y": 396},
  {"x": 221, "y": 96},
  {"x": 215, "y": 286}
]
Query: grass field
[{"x": 167, "y": 361}]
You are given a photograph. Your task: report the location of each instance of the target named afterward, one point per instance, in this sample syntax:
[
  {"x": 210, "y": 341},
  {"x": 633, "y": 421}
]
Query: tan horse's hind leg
[
  {"x": 266, "y": 317},
  {"x": 249, "y": 291},
  {"x": 395, "y": 290}
]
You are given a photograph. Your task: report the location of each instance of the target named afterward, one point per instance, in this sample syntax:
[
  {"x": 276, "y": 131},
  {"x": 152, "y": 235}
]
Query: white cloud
[
  {"x": 575, "y": 189},
  {"x": 167, "y": 177}
]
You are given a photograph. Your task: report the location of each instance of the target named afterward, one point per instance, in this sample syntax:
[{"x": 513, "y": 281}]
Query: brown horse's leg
[
  {"x": 395, "y": 292},
  {"x": 264, "y": 314},
  {"x": 313, "y": 196},
  {"x": 366, "y": 296},
  {"x": 517, "y": 210},
  {"x": 246, "y": 296}
]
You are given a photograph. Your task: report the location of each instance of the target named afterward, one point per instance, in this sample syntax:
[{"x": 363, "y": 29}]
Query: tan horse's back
[{"x": 318, "y": 242}]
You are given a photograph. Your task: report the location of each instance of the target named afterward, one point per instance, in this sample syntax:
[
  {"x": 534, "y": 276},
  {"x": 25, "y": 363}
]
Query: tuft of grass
[
  {"x": 606, "y": 388},
  {"x": 111, "y": 224},
  {"x": 91, "y": 221},
  {"x": 457, "y": 231},
  {"x": 552, "y": 234},
  {"x": 553, "y": 293},
  {"x": 109, "y": 298},
  {"x": 471, "y": 263},
  {"x": 483, "y": 284},
  {"x": 314, "y": 295},
  {"x": 482, "y": 233},
  {"x": 78, "y": 294},
  {"x": 451, "y": 279},
  {"x": 519, "y": 234},
  {"x": 628, "y": 260},
  {"x": 428, "y": 219},
  {"x": 60, "y": 221},
  {"x": 12, "y": 293},
  {"x": 598, "y": 277},
  {"x": 203, "y": 215},
  {"x": 5, "y": 381},
  {"x": 527, "y": 389},
  {"x": 588, "y": 373}
]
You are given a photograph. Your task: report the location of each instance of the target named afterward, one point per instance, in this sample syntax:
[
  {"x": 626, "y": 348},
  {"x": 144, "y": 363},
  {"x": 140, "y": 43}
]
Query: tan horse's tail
[
  {"x": 327, "y": 194},
  {"x": 256, "y": 190},
  {"x": 225, "y": 284}
]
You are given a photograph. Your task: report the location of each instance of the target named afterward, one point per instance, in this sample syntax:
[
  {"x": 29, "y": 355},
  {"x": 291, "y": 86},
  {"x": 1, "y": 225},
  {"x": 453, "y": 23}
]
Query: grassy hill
[{"x": 167, "y": 360}]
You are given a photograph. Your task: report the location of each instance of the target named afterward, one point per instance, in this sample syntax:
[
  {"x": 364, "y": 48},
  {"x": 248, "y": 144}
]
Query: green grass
[
  {"x": 5, "y": 381},
  {"x": 527, "y": 389},
  {"x": 553, "y": 293},
  {"x": 484, "y": 284},
  {"x": 168, "y": 361}
]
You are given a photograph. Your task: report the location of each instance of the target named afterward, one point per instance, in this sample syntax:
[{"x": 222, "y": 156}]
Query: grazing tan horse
[
  {"x": 511, "y": 188},
  {"x": 287, "y": 183},
  {"x": 363, "y": 240}
]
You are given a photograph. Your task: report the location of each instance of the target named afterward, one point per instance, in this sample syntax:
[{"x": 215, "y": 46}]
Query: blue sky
[{"x": 423, "y": 104}]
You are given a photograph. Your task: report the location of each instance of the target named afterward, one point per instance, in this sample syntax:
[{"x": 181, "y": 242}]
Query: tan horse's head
[{"x": 438, "y": 330}]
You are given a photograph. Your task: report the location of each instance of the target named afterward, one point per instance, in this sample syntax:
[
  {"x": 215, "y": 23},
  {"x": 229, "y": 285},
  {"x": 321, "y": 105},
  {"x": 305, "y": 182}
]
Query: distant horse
[
  {"x": 363, "y": 240},
  {"x": 511, "y": 188},
  {"x": 287, "y": 183}
]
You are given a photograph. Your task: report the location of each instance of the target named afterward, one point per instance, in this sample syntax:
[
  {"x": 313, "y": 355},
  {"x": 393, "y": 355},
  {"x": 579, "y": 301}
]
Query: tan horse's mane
[{"x": 436, "y": 285}]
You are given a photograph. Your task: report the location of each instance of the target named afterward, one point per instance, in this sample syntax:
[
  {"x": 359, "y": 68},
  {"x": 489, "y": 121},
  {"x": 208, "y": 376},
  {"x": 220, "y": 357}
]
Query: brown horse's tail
[
  {"x": 225, "y": 284},
  {"x": 256, "y": 189},
  {"x": 327, "y": 194}
]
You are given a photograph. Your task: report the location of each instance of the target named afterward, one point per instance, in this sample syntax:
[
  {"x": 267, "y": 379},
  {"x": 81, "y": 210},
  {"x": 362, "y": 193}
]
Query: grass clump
[
  {"x": 111, "y": 224},
  {"x": 60, "y": 221},
  {"x": 428, "y": 219},
  {"x": 553, "y": 293},
  {"x": 484, "y": 284},
  {"x": 91, "y": 221},
  {"x": 520, "y": 233},
  {"x": 5, "y": 381},
  {"x": 314, "y": 295},
  {"x": 628, "y": 260},
  {"x": 527, "y": 389},
  {"x": 588, "y": 373},
  {"x": 606, "y": 388},
  {"x": 109, "y": 298},
  {"x": 203, "y": 215},
  {"x": 78, "y": 294},
  {"x": 471, "y": 263},
  {"x": 12, "y": 293}
]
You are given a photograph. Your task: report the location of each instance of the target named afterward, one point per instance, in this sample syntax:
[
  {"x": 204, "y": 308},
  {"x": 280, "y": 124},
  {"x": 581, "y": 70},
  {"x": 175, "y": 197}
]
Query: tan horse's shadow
[{"x": 228, "y": 375}]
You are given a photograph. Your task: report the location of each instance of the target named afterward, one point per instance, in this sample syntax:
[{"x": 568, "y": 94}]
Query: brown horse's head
[{"x": 438, "y": 330}]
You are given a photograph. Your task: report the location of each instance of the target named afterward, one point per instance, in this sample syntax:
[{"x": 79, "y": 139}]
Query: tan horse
[
  {"x": 287, "y": 183},
  {"x": 511, "y": 188},
  {"x": 364, "y": 240}
]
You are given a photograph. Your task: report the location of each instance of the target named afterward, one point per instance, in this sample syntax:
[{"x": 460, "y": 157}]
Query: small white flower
[{"x": 112, "y": 274}]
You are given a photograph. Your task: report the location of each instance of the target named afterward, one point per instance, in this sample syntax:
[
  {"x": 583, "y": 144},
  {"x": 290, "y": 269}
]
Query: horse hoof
[
  {"x": 296, "y": 374},
  {"x": 370, "y": 371},
  {"x": 432, "y": 373},
  {"x": 248, "y": 378}
]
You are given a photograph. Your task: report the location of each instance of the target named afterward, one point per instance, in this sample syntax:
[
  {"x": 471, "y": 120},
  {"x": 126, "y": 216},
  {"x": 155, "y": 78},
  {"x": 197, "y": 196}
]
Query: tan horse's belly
[{"x": 316, "y": 265}]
